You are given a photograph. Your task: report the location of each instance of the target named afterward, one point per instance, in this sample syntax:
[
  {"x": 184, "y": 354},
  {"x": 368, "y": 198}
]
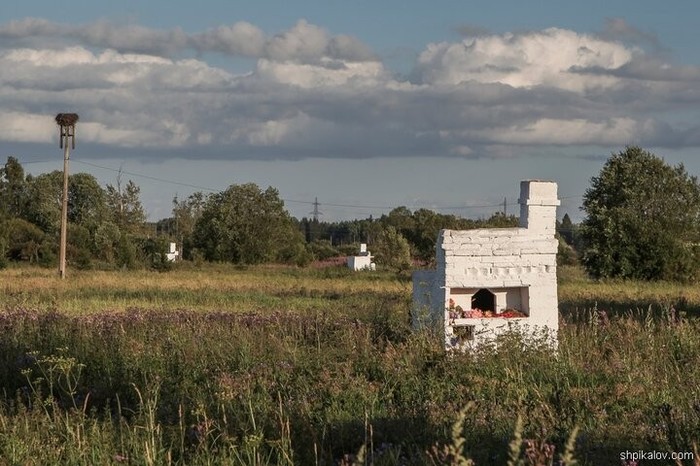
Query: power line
[
  {"x": 381, "y": 207},
  {"x": 29, "y": 162},
  {"x": 297, "y": 201},
  {"x": 153, "y": 178}
]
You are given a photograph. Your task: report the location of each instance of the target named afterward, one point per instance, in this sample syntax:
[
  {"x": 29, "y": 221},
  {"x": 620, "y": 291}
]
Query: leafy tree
[
  {"x": 345, "y": 232},
  {"x": 86, "y": 201},
  {"x": 498, "y": 220},
  {"x": 401, "y": 219},
  {"x": 129, "y": 217},
  {"x": 427, "y": 226},
  {"x": 126, "y": 208},
  {"x": 79, "y": 250},
  {"x": 245, "y": 225},
  {"x": 106, "y": 239},
  {"x": 294, "y": 250},
  {"x": 87, "y": 210},
  {"x": 13, "y": 189},
  {"x": 126, "y": 252},
  {"x": 392, "y": 250},
  {"x": 87, "y": 204},
  {"x": 642, "y": 219},
  {"x": 45, "y": 193},
  {"x": 185, "y": 216},
  {"x": 421, "y": 227}
]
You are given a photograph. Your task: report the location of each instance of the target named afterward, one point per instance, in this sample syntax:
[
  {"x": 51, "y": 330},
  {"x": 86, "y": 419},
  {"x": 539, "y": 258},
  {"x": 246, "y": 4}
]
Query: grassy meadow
[{"x": 277, "y": 365}]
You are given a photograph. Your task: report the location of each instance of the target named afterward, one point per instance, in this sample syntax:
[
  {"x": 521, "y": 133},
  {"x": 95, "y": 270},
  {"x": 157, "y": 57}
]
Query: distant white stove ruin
[
  {"x": 362, "y": 261},
  {"x": 492, "y": 280}
]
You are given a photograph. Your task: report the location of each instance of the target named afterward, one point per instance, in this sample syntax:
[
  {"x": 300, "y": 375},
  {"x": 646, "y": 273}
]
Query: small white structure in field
[
  {"x": 173, "y": 254},
  {"x": 362, "y": 261},
  {"x": 488, "y": 281}
]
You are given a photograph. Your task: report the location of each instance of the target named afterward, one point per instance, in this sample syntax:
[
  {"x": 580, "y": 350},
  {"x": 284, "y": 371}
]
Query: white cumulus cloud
[
  {"x": 541, "y": 58},
  {"x": 309, "y": 92}
]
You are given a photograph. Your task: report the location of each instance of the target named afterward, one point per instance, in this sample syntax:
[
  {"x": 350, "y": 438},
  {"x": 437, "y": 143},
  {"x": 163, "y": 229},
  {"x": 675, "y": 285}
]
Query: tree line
[
  {"x": 243, "y": 224},
  {"x": 247, "y": 225},
  {"x": 642, "y": 221},
  {"x": 104, "y": 224}
]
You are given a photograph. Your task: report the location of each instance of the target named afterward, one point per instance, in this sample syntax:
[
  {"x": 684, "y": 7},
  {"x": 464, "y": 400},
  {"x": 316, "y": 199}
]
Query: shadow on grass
[{"x": 579, "y": 310}]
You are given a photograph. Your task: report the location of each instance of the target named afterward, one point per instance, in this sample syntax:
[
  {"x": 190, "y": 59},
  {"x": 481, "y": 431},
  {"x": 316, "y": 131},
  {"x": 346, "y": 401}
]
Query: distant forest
[{"x": 244, "y": 224}]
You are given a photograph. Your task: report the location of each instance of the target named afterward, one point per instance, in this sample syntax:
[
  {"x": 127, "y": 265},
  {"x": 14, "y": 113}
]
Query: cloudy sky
[{"x": 364, "y": 105}]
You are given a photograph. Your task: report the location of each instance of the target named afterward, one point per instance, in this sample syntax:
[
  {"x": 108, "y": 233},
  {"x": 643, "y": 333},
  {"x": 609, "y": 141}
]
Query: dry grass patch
[{"x": 209, "y": 288}]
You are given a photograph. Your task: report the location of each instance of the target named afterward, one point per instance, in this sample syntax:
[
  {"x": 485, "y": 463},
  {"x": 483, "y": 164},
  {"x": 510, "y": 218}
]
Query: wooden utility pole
[{"x": 66, "y": 123}]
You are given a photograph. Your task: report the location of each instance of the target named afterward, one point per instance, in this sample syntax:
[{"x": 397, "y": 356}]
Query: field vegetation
[{"x": 219, "y": 364}]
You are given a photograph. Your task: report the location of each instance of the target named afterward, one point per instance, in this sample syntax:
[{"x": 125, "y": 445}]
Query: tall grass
[
  {"x": 337, "y": 379},
  {"x": 577, "y": 292},
  {"x": 213, "y": 288}
]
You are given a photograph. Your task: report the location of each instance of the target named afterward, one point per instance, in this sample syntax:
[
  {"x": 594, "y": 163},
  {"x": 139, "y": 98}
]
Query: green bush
[
  {"x": 126, "y": 252},
  {"x": 322, "y": 249},
  {"x": 392, "y": 251}
]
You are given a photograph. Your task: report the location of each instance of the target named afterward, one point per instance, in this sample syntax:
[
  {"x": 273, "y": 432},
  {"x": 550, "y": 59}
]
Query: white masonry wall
[
  {"x": 516, "y": 265},
  {"x": 363, "y": 261},
  {"x": 360, "y": 263}
]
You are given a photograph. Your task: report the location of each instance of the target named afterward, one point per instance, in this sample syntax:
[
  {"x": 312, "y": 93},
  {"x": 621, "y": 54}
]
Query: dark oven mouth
[{"x": 484, "y": 301}]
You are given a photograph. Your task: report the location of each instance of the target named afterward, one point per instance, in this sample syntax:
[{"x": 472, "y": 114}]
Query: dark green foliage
[
  {"x": 245, "y": 225},
  {"x": 349, "y": 249},
  {"x": 294, "y": 250},
  {"x": 125, "y": 207},
  {"x": 642, "y": 219},
  {"x": 44, "y": 202},
  {"x": 13, "y": 189},
  {"x": 338, "y": 233},
  {"x": 24, "y": 240},
  {"x": 79, "y": 250},
  {"x": 323, "y": 249},
  {"x": 155, "y": 252},
  {"x": 392, "y": 251},
  {"x": 106, "y": 242},
  {"x": 426, "y": 228},
  {"x": 103, "y": 226},
  {"x": 86, "y": 201},
  {"x": 419, "y": 228},
  {"x": 126, "y": 252},
  {"x": 567, "y": 230}
]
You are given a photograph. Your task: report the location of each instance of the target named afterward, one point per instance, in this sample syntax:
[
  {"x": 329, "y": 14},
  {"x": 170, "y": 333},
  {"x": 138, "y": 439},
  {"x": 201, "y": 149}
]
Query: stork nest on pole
[{"x": 67, "y": 119}]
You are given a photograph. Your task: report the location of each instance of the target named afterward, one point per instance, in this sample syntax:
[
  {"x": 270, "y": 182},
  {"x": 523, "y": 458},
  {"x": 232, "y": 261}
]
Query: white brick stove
[{"x": 488, "y": 281}]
